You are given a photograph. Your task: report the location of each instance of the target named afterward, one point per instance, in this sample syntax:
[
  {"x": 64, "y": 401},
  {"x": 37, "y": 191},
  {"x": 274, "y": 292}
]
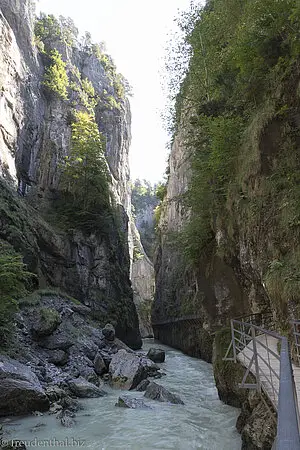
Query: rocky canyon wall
[{"x": 35, "y": 136}]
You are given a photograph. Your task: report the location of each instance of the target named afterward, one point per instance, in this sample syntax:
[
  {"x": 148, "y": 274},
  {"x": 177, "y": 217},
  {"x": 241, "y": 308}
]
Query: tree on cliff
[
  {"x": 14, "y": 281},
  {"x": 85, "y": 178}
]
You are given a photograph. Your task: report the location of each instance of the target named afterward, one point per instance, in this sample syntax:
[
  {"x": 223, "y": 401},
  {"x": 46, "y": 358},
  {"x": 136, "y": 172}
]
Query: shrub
[
  {"x": 56, "y": 78},
  {"x": 85, "y": 177},
  {"x": 14, "y": 283}
]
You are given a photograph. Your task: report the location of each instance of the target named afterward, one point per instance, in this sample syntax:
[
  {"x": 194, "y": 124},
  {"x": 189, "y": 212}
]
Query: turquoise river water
[{"x": 204, "y": 422}]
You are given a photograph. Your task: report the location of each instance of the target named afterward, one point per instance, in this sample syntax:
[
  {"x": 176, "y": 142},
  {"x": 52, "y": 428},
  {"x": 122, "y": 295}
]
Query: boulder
[
  {"x": 58, "y": 357},
  {"x": 45, "y": 322},
  {"x": 133, "y": 403},
  {"x": 87, "y": 347},
  {"x": 99, "y": 365},
  {"x": 67, "y": 419},
  {"x": 83, "y": 389},
  {"x": 20, "y": 389},
  {"x": 81, "y": 366},
  {"x": 70, "y": 404},
  {"x": 150, "y": 367},
  {"x": 156, "y": 355},
  {"x": 126, "y": 370},
  {"x": 142, "y": 386},
  {"x": 19, "y": 397},
  {"x": 109, "y": 332},
  {"x": 60, "y": 340},
  {"x": 10, "y": 368},
  {"x": 157, "y": 392},
  {"x": 55, "y": 393}
]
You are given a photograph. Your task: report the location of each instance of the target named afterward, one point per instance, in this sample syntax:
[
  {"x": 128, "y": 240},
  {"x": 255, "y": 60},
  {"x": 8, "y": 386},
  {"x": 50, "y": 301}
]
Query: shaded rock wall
[
  {"x": 35, "y": 136},
  {"x": 143, "y": 284},
  {"x": 219, "y": 288}
]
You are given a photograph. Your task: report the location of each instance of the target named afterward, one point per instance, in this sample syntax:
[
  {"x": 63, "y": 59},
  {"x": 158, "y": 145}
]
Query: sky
[{"x": 136, "y": 33}]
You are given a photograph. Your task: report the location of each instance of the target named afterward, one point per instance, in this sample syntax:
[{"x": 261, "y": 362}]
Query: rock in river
[
  {"x": 157, "y": 392},
  {"x": 127, "y": 370},
  {"x": 142, "y": 386},
  {"x": 83, "y": 389},
  {"x": 20, "y": 389},
  {"x": 156, "y": 355},
  {"x": 133, "y": 403}
]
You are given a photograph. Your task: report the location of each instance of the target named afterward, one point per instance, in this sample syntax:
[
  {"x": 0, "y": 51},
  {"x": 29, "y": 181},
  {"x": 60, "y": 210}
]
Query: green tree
[
  {"x": 47, "y": 28},
  {"x": 14, "y": 282},
  {"x": 239, "y": 59},
  {"x": 85, "y": 178},
  {"x": 56, "y": 78}
]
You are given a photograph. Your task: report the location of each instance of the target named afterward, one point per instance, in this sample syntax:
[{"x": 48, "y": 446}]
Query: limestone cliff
[
  {"x": 229, "y": 227},
  {"x": 35, "y": 135},
  {"x": 143, "y": 284},
  {"x": 212, "y": 291}
]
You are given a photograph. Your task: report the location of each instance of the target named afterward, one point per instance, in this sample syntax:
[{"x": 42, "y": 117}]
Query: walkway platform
[{"x": 269, "y": 378}]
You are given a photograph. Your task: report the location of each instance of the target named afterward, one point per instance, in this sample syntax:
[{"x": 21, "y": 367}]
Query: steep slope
[
  {"x": 38, "y": 117},
  {"x": 229, "y": 228}
]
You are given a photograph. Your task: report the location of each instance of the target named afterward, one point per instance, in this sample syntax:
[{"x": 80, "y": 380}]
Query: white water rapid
[{"x": 204, "y": 422}]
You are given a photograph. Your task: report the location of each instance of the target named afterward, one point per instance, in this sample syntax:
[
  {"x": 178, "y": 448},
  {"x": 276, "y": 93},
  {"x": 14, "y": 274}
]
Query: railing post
[
  {"x": 233, "y": 340},
  {"x": 287, "y": 429},
  {"x": 255, "y": 359}
]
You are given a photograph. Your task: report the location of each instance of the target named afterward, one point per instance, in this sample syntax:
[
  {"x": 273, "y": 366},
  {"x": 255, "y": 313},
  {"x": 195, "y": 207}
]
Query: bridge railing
[
  {"x": 256, "y": 348},
  {"x": 296, "y": 331}
]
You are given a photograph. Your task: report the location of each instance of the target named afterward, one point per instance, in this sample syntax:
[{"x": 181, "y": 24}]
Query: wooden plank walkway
[{"x": 269, "y": 378}]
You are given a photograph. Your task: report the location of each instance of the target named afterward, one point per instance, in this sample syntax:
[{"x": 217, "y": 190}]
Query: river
[{"x": 204, "y": 422}]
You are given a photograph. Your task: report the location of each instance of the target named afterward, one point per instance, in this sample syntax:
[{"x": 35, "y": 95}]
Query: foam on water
[{"x": 204, "y": 422}]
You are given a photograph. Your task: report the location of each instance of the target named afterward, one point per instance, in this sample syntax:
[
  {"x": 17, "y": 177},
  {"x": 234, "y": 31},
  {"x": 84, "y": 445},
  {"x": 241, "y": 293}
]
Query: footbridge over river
[{"x": 266, "y": 356}]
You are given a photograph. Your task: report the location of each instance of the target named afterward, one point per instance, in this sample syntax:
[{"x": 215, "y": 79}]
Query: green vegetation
[
  {"x": 48, "y": 29},
  {"x": 85, "y": 180},
  {"x": 56, "y": 78},
  {"x": 237, "y": 105},
  {"x": 88, "y": 96},
  {"x": 49, "y": 317},
  {"x": 119, "y": 83},
  {"x": 35, "y": 297},
  {"x": 14, "y": 283},
  {"x": 137, "y": 254}
]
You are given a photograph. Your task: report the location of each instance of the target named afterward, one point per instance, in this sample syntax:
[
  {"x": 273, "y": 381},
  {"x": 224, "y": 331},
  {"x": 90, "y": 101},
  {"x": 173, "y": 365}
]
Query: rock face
[
  {"x": 18, "y": 382},
  {"x": 157, "y": 392},
  {"x": 35, "y": 133},
  {"x": 143, "y": 284}
]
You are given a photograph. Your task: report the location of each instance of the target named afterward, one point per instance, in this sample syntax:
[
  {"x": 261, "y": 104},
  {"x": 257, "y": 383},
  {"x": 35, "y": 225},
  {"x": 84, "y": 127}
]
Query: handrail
[
  {"x": 288, "y": 414},
  {"x": 296, "y": 331},
  {"x": 273, "y": 372},
  {"x": 177, "y": 319}
]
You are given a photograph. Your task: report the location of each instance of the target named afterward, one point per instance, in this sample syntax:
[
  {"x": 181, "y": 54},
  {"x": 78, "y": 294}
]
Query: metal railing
[
  {"x": 296, "y": 331},
  {"x": 258, "y": 350}
]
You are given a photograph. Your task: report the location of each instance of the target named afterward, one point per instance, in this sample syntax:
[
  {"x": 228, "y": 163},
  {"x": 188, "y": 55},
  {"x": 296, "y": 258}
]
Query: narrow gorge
[{"x": 92, "y": 263}]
